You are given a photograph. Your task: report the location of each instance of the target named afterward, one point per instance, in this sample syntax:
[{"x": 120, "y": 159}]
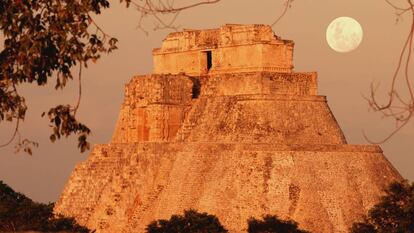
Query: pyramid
[{"x": 225, "y": 126}]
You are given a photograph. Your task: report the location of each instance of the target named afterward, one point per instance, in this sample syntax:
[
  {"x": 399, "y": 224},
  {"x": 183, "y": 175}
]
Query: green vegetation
[
  {"x": 44, "y": 40},
  {"x": 194, "y": 222},
  {"x": 393, "y": 214},
  {"x": 190, "y": 222},
  {"x": 19, "y": 213},
  {"x": 271, "y": 224}
]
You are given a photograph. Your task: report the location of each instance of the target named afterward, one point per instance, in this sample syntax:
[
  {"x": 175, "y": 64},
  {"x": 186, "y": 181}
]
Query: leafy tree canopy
[
  {"x": 20, "y": 213},
  {"x": 393, "y": 214},
  {"x": 46, "y": 39},
  {"x": 272, "y": 224},
  {"x": 190, "y": 222}
]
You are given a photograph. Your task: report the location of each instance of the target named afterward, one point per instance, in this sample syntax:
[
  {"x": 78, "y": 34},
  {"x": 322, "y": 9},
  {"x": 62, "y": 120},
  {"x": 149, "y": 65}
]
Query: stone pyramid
[{"x": 225, "y": 126}]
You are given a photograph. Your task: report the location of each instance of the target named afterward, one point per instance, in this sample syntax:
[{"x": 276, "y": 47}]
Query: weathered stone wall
[
  {"x": 148, "y": 89},
  {"x": 234, "y": 48},
  {"x": 236, "y": 58},
  {"x": 260, "y": 83},
  {"x": 190, "y": 62},
  {"x": 280, "y": 119},
  {"x": 83, "y": 191},
  {"x": 247, "y": 58},
  {"x": 325, "y": 187},
  {"x": 154, "y": 108},
  {"x": 236, "y": 34}
]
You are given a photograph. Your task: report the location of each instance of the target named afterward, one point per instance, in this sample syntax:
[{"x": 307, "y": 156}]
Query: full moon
[{"x": 344, "y": 34}]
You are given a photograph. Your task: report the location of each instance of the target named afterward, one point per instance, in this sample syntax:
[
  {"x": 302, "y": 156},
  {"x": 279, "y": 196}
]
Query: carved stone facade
[
  {"x": 244, "y": 138},
  {"x": 231, "y": 48}
]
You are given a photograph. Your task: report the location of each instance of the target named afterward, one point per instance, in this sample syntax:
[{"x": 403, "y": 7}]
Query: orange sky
[{"x": 343, "y": 77}]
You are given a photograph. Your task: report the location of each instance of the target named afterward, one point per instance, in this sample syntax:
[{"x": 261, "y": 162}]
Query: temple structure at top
[
  {"x": 234, "y": 61},
  {"x": 231, "y": 48}
]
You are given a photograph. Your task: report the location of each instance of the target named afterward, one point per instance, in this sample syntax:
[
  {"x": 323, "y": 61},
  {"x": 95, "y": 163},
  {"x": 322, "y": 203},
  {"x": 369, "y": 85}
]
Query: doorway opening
[{"x": 209, "y": 60}]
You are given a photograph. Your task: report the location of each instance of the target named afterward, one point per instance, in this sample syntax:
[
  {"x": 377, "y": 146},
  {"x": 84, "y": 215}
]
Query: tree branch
[
  {"x": 402, "y": 117},
  {"x": 287, "y": 5}
]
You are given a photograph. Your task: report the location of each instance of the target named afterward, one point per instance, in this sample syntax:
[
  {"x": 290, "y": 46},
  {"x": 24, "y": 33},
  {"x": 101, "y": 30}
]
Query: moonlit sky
[{"x": 343, "y": 77}]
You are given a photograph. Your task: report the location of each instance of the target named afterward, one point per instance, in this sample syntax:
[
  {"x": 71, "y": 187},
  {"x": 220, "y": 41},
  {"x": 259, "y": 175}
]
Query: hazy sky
[{"x": 343, "y": 78}]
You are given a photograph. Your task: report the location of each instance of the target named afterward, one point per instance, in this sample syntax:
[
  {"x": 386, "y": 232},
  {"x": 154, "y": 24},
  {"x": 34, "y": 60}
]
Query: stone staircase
[{"x": 192, "y": 118}]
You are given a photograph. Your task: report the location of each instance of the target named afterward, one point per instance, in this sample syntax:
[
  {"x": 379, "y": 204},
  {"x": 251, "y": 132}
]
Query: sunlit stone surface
[{"x": 225, "y": 126}]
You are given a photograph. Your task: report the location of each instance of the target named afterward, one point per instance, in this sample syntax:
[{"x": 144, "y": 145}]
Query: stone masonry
[{"x": 225, "y": 126}]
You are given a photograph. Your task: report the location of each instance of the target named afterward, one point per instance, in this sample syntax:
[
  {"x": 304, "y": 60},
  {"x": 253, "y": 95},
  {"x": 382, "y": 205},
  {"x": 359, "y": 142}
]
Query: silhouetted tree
[
  {"x": 190, "y": 222},
  {"x": 393, "y": 214},
  {"x": 272, "y": 224},
  {"x": 19, "y": 213},
  {"x": 46, "y": 39}
]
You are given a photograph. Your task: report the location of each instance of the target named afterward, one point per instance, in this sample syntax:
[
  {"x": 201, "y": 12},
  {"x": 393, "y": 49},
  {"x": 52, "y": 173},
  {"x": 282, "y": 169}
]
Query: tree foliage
[
  {"x": 393, "y": 214},
  {"x": 190, "y": 222},
  {"x": 19, "y": 213},
  {"x": 272, "y": 224},
  {"x": 43, "y": 40},
  {"x": 49, "y": 39}
]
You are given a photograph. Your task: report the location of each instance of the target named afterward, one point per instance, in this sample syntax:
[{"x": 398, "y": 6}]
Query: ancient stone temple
[{"x": 225, "y": 126}]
